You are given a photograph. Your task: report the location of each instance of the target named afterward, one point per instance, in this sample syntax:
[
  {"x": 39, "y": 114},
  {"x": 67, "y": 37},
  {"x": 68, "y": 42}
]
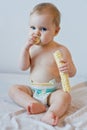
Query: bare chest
[
  {"x": 45, "y": 66},
  {"x": 44, "y": 60}
]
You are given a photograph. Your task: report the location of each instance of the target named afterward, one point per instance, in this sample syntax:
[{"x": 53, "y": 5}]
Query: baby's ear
[{"x": 57, "y": 30}]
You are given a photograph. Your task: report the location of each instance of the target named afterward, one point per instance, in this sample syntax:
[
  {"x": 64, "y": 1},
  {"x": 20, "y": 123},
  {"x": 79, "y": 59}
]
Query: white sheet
[{"x": 13, "y": 117}]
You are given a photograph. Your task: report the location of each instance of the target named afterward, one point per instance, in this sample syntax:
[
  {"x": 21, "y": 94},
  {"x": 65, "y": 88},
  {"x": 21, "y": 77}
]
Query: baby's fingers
[{"x": 64, "y": 68}]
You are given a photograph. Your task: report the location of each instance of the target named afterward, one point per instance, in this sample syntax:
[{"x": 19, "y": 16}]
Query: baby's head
[
  {"x": 48, "y": 8},
  {"x": 44, "y": 22}
]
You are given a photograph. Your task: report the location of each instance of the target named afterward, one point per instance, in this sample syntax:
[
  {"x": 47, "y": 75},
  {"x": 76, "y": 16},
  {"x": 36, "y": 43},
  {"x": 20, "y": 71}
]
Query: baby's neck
[{"x": 48, "y": 45}]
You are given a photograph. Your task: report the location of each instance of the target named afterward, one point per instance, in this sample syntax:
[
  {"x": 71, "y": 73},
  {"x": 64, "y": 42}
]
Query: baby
[{"x": 37, "y": 55}]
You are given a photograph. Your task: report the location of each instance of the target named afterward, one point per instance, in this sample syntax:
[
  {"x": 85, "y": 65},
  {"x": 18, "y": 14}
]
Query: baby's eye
[
  {"x": 43, "y": 29},
  {"x": 33, "y": 27}
]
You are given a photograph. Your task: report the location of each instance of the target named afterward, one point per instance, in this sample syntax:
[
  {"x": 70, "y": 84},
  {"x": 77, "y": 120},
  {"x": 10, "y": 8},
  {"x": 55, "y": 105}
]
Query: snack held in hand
[
  {"x": 64, "y": 76},
  {"x": 37, "y": 40}
]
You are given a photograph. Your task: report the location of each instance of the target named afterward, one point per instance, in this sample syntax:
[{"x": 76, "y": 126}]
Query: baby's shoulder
[
  {"x": 63, "y": 49},
  {"x": 60, "y": 47}
]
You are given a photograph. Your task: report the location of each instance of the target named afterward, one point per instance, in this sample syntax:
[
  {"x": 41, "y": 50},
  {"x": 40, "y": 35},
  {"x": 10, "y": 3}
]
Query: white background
[{"x": 14, "y": 17}]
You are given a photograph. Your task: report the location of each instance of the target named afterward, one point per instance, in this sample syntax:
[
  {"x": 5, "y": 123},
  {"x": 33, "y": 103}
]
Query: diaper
[{"x": 42, "y": 90}]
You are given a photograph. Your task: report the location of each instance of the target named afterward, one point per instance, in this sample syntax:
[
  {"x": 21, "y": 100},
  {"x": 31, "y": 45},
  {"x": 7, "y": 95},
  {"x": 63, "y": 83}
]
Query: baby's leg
[
  {"x": 22, "y": 95},
  {"x": 59, "y": 102}
]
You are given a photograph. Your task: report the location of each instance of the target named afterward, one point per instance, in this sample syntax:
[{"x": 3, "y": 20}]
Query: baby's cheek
[{"x": 46, "y": 38}]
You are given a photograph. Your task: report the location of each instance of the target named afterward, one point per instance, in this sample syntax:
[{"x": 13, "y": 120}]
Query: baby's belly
[{"x": 41, "y": 76}]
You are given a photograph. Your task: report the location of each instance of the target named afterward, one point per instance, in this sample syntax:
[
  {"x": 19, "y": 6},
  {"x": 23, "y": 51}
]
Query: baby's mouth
[{"x": 37, "y": 40}]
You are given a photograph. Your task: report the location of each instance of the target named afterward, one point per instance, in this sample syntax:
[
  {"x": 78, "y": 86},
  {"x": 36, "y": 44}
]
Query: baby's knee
[
  {"x": 12, "y": 90},
  {"x": 67, "y": 97}
]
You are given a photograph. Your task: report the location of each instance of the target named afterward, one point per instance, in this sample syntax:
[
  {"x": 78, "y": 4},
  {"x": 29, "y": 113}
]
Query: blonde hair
[{"x": 48, "y": 8}]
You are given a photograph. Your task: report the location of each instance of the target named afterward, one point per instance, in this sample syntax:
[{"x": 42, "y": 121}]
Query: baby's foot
[
  {"x": 50, "y": 118},
  {"x": 35, "y": 108}
]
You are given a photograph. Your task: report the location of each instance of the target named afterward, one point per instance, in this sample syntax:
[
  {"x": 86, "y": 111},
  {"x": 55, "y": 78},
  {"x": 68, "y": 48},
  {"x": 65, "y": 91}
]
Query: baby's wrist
[{"x": 27, "y": 47}]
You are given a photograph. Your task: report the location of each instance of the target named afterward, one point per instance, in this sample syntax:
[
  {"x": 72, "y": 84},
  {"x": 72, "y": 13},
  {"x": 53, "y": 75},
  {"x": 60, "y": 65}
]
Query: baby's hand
[
  {"x": 30, "y": 42},
  {"x": 64, "y": 66},
  {"x": 34, "y": 38}
]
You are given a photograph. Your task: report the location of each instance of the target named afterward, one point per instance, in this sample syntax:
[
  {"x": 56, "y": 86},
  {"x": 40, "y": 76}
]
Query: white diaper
[{"x": 42, "y": 90}]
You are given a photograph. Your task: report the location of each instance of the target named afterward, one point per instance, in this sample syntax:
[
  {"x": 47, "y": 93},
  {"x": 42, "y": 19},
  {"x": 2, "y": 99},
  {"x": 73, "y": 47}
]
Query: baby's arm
[
  {"x": 24, "y": 59},
  {"x": 68, "y": 65}
]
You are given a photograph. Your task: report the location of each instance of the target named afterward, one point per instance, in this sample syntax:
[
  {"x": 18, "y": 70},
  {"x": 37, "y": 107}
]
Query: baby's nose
[{"x": 38, "y": 33}]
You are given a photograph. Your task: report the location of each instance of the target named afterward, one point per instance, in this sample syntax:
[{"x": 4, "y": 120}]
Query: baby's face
[{"x": 42, "y": 26}]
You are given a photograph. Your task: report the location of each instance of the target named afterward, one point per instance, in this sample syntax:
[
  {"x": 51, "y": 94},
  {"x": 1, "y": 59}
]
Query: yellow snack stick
[
  {"x": 37, "y": 40},
  {"x": 64, "y": 76}
]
